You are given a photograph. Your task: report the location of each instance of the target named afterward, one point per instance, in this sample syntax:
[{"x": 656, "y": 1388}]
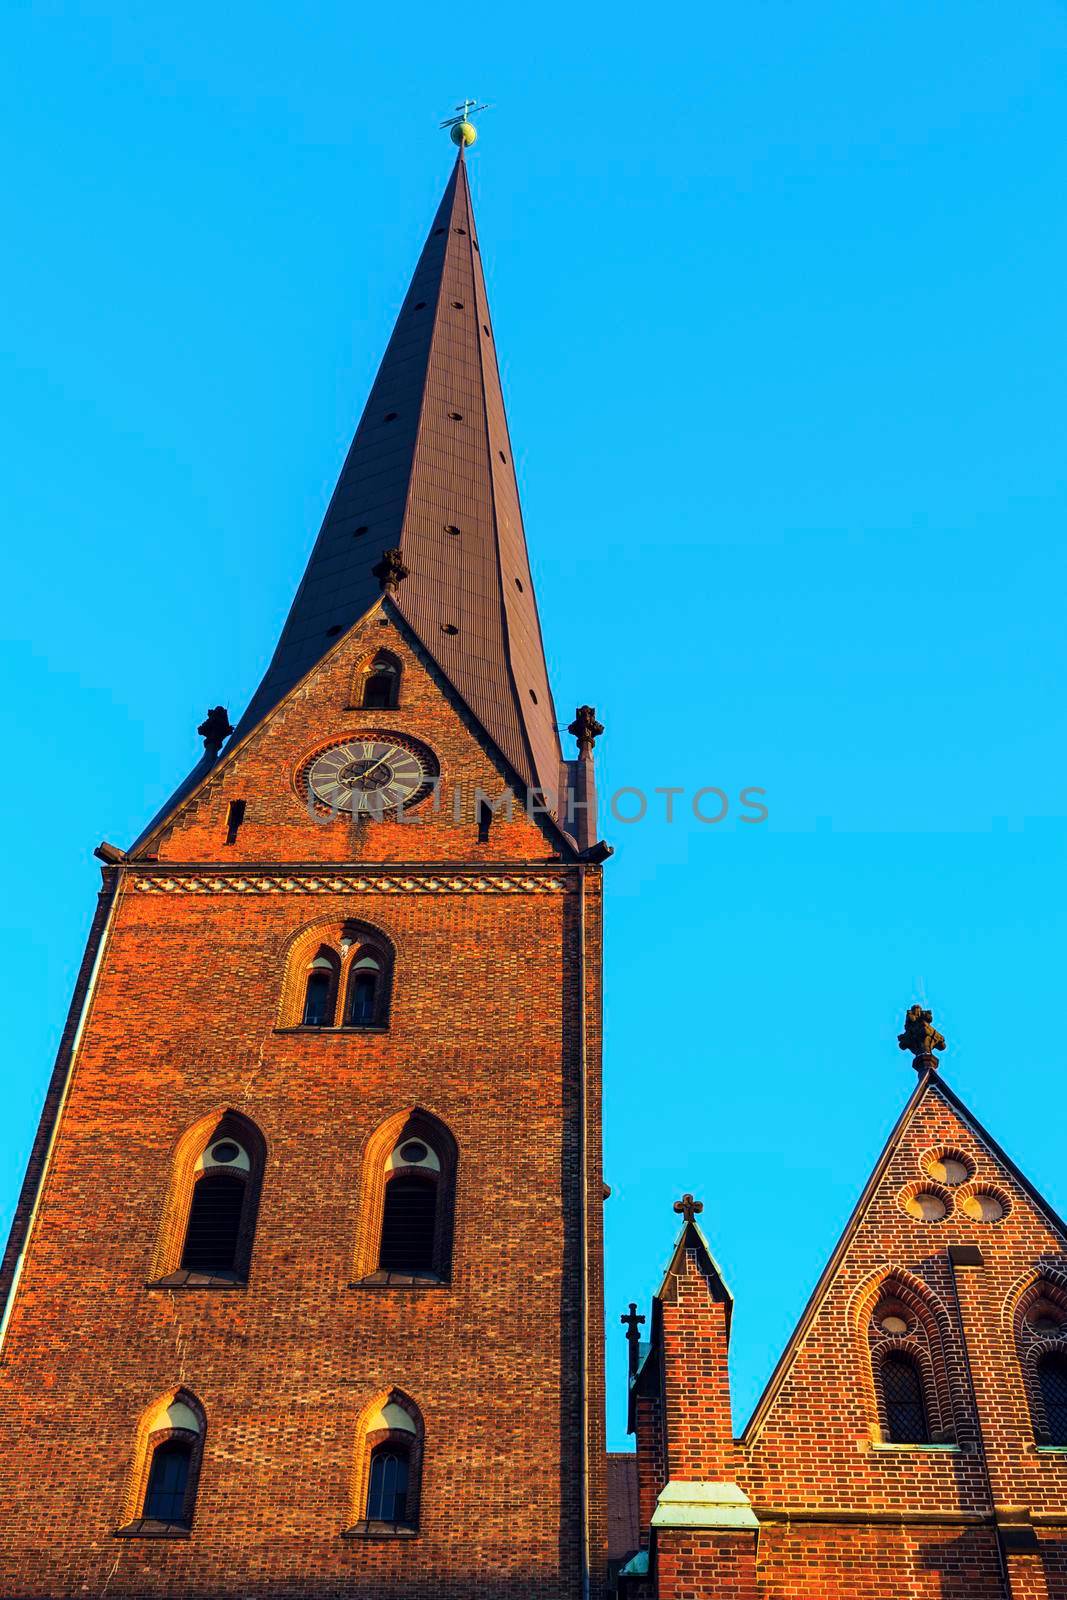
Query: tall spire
[{"x": 430, "y": 474}]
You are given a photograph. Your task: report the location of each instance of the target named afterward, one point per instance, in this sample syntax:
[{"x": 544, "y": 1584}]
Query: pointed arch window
[
  {"x": 320, "y": 990},
  {"x": 210, "y": 1219},
  {"x": 407, "y": 1204},
  {"x": 905, "y": 1400},
  {"x": 387, "y": 1496},
  {"x": 168, "y": 1482},
  {"x": 381, "y": 683},
  {"x": 386, "y": 1489},
  {"x": 167, "y": 1470},
  {"x": 367, "y": 998},
  {"x": 1052, "y": 1382}
]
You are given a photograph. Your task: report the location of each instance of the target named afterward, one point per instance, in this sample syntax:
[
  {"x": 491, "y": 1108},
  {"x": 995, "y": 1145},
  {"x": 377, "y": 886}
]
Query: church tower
[{"x": 303, "y": 1294}]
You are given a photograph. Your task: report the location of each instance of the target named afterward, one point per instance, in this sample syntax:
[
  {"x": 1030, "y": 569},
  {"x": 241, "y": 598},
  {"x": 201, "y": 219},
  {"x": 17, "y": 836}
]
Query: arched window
[
  {"x": 214, "y": 1228},
  {"x": 905, "y": 1404},
  {"x": 337, "y": 975},
  {"x": 1041, "y": 1342},
  {"x": 387, "y": 1495},
  {"x": 1052, "y": 1380},
  {"x": 320, "y": 990},
  {"x": 210, "y": 1219},
  {"x": 381, "y": 683},
  {"x": 409, "y": 1220},
  {"x": 902, "y": 1325},
  {"x": 407, "y": 1203},
  {"x": 168, "y": 1482},
  {"x": 367, "y": 1000},
  {"x": 386, "y": 1488},
  {"x": 166, "y": 1474}
]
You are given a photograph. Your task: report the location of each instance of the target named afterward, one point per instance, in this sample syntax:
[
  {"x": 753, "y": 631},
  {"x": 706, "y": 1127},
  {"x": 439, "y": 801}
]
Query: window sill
[
  {"x": 401, "y": 1280},
  {"x": 921, "y": 1449},
  {"x": 145, "y": 1528},
  {"x": 197, "y": 1280},
  {"x": 362, "y": 1027},
  {"x": 1051, "y": 1449},
  {"x": 381, "y": 1530}
]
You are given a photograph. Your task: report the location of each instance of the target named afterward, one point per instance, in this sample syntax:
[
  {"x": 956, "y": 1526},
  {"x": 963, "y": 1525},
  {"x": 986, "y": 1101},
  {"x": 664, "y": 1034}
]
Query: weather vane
[{"x": 461, "y": 130}]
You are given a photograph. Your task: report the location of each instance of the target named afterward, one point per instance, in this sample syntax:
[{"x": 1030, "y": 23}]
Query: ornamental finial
[
  {"x": 215, "y": 729},
  {"x": 688, "y": 1208},
  {"x": 390, "y": 571},
  {"x": 586, "y": 729},
  {"x": 461, "y": 129},
  {"x": 921, "y": 1038}
]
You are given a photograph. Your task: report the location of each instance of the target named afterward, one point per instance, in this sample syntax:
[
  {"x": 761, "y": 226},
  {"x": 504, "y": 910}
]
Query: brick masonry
[
  {"x": 495, "y": 984},
  {"x": 843, "y": 1513}
]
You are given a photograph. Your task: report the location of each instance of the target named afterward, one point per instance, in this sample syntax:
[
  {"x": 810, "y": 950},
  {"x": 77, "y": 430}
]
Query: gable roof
[
  {"x": 210, "y": 766},
  {"x": 930, "y": 1083}
]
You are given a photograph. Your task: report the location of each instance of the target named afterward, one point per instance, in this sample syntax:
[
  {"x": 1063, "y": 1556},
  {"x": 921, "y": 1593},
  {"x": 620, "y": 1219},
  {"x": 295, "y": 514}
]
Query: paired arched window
[
  {"x": 902, "y": 1326},
  {"x": 407, "y": 1202},
  {"x": 1041, "y": 1340},
  {"x": 389, "y": 1450},
  {"x": 210, "y": 1218},
  {"x": 344, "y": 981},
  {"x": 168, "y": 1454},
  {"x": 378, "y": 683},
  {"x": 1052, "y": 1377}
]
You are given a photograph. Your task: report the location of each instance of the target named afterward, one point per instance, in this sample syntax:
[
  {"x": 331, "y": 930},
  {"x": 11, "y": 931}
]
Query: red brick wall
[
  {"x": 485, "y": 1033},
  {"x": 812, "y": 1464}
]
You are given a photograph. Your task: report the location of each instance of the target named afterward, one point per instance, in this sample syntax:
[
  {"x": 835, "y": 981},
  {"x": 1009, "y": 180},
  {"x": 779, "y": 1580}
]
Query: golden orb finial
[{"x": 461, "y": 129}]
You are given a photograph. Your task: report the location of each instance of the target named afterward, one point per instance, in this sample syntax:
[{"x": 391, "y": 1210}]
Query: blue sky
[{"x": 779, "y": 291}]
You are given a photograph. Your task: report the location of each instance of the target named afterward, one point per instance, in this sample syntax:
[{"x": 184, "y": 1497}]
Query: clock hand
[{"x": 364, "y": 775}]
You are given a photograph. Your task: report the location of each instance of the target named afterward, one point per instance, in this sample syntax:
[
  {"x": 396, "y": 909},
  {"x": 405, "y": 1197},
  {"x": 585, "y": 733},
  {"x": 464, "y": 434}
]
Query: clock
[{"x": 371, "y": 774}]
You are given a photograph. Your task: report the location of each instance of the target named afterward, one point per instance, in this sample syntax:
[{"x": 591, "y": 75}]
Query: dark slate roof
[{"x": 442, "y": 461}]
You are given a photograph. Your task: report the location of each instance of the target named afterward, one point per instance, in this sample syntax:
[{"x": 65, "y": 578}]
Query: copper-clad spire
[{"x": 430, "y": 474}]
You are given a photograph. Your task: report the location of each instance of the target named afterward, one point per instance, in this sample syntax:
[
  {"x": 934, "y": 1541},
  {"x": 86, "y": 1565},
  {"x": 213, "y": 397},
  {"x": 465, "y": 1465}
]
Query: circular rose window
[{"x": 225, "y": 1151}]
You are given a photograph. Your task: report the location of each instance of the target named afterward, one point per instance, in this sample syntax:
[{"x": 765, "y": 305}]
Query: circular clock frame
[{"x": 332, "y": 775}]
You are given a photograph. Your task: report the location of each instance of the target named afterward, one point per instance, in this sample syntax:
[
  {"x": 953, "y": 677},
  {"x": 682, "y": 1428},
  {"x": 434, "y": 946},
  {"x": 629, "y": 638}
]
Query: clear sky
[{"x": 779, "y": 290}]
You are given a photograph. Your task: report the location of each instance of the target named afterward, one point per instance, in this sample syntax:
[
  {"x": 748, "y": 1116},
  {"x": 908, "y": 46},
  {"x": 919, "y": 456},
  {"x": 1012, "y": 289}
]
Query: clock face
[{"x": 370, "y": 775}]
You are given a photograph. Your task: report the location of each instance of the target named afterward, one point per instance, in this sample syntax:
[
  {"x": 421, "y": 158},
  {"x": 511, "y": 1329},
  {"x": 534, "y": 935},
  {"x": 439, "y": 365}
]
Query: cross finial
[
  {"x": 633, "y": 1321},
  {"x": 688, "y": 1208},
  {"x": 461, "y": 129}
]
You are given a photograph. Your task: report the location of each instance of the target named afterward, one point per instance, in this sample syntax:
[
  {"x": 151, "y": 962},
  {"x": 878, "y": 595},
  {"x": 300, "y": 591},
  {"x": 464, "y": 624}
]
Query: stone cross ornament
[
  {"x": 921, "y": 1038},
  {"x": 688, "y": 1208}
]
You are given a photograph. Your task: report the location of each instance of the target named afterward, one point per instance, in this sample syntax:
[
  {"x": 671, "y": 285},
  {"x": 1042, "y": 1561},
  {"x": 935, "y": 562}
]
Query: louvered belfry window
[
  {"x": 409, "y": 1224},
  {"x": 388, "y": 1490},
  {"x": 168, "y": 1480},
  {"x": 214, "y": 1229},
  {"x": 1052, "y": 1376},
  {"x": 905, "y": 1405}
]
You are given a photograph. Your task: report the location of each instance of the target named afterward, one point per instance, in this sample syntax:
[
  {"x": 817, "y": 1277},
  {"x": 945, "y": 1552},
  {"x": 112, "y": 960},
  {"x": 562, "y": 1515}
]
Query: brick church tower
[{"x": 303, "y": 1293}]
